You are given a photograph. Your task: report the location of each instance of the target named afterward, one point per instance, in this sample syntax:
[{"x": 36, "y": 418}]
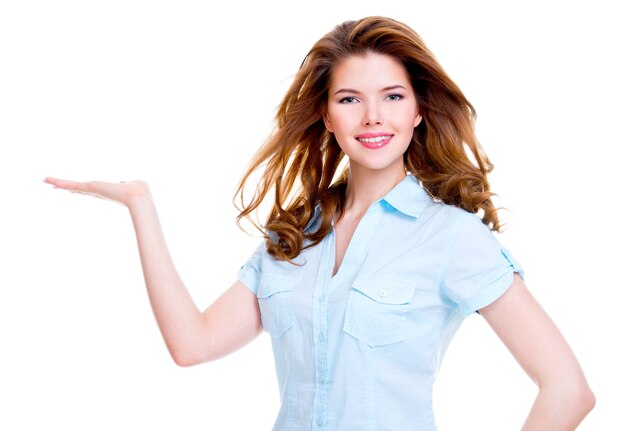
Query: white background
[{"x": 180, "y": 94}]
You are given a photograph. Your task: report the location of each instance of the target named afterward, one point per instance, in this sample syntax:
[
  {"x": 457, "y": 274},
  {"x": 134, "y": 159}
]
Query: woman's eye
[
  {"x": 395, "y": 97},
  {"x": 348, "y": 100}
]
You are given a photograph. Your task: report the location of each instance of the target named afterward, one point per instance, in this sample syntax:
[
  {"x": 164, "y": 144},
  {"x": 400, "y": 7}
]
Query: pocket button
[{"x": 377, "y": 307}]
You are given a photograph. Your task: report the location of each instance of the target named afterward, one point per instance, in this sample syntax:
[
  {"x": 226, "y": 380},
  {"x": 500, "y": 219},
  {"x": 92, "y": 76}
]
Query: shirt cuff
[
  {"x": 496, "y": 289},
  {"x": 249, "y": 277}
]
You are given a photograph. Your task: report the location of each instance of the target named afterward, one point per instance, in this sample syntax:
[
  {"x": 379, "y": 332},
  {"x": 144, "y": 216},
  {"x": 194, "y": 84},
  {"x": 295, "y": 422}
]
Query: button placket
[
  {"x": 352, "y": 261},
  {"x": 320, "y": 334}
]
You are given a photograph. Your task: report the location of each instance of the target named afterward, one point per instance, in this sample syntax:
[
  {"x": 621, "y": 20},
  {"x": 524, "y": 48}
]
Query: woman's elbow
[
  {"x": 582, "y": 395},
  {"x": 184, "y": 361},
  {"x": 186, "y": 358},
  {"x": 579, "y": 396},
  {"x": 586, "y": 399},
  {"x": 569, "y": 394}
]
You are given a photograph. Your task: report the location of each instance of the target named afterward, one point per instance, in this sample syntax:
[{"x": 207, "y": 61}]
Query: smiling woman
[
  {"x": 372, "y": 106},
  {"x": 364, "y": 276}
]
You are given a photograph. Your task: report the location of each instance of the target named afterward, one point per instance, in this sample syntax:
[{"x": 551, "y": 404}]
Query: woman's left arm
[{"x": 564, "y": 397}]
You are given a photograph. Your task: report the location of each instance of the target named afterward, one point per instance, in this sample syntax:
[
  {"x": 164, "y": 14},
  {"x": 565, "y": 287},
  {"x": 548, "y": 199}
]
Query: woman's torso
[{"x": 360, "y": 350}]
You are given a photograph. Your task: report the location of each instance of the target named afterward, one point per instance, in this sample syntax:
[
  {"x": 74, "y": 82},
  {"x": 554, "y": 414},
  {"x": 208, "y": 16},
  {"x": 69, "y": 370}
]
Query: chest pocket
[
  {"x": 274, "y": 296},
  {"x": 377, "y": 308}
]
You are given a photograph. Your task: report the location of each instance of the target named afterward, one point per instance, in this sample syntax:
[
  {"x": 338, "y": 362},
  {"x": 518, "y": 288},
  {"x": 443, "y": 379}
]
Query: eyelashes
[
  {"x": 347, "y": 100},
  {"x": 351, "y": 99},
  {"x": 395, "y": 96}
]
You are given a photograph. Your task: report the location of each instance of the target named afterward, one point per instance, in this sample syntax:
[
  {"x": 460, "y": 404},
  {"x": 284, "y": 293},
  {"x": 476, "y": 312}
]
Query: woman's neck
[{"x": 366, "y": 186}]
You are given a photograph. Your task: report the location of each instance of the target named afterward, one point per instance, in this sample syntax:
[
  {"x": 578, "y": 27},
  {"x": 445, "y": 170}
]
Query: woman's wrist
[{"x": 139, "y": 197}]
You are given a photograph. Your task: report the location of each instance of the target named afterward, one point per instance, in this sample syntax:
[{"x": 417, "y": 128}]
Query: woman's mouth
[{"x": 374, "y": 141}]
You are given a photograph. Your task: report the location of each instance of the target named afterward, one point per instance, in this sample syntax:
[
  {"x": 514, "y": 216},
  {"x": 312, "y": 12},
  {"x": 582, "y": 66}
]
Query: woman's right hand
[
  {"x": 190, "y": 335},
  {"x": 124, "y": 193}
]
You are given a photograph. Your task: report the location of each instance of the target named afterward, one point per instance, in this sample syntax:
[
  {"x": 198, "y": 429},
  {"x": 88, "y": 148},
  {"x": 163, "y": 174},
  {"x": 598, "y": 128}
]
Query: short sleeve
[
  {"x": 479, "y": 269},
  {"x": 250, "y": 272}
]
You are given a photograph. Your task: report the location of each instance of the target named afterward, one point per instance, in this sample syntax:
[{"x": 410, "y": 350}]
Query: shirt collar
[{"x": 408, "y": 197}]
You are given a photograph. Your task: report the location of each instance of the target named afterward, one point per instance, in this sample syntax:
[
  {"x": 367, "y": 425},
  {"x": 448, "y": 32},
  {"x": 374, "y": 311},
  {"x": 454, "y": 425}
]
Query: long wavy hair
[{"x": 300, "y": 158}]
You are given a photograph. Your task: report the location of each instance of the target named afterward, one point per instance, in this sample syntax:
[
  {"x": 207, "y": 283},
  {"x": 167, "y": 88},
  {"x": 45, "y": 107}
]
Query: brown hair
[{"x": 300, "y": 149}]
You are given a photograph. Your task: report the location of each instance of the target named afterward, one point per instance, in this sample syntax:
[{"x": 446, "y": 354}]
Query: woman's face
[{"x": 372, "y": 111}]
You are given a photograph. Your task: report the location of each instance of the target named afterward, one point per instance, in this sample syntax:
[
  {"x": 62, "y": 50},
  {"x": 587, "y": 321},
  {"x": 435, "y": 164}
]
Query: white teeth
[{"x": 373, "y": 140}]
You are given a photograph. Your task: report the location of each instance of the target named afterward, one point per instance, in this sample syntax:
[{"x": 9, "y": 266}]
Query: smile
[{"x": 375, "y": 141}]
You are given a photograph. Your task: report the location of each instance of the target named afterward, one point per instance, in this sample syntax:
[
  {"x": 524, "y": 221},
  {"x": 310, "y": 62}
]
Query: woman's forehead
[{"x": 368, "y": 72}]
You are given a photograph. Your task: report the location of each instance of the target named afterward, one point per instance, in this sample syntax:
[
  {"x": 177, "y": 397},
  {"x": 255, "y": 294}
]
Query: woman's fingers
[
  {"x": 91, "y": 188},
  {"x": 122, "y": 193},
  {"x": 57, "y": 183},
  {"x": 74, "y": 186}
]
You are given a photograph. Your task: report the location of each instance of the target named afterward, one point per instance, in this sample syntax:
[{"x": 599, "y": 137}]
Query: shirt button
[
  {"x": 321, "y": 299},
  {"x": 321, "y": 337},
  {"x": 320, "y": 421},
  {"x": 382, "y": 293}
]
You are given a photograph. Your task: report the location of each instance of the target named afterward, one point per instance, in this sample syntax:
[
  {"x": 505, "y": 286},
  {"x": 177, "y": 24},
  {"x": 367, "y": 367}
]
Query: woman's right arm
[{"x": 191, "y": 336}]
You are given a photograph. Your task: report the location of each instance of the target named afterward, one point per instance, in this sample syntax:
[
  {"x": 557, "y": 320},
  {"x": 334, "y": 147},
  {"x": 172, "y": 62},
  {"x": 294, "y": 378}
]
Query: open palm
[{"x": 123, "y": 192}]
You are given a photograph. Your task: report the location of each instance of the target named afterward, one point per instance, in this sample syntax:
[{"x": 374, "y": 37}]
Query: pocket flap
[
  {"x": 273, "y": 283},
  {"x": 388, "y": 289}
]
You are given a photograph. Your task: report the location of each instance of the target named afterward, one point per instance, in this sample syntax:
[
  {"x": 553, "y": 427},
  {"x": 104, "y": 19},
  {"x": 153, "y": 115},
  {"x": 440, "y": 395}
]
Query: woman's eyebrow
[
  {"x": 352, "y": 91},
  {"x": 346, "y": 90}
]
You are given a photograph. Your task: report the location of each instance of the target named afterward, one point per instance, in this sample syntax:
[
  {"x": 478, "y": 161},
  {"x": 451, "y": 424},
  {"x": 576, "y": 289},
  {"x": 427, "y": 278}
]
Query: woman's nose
[{"x": 372, "y": 115}]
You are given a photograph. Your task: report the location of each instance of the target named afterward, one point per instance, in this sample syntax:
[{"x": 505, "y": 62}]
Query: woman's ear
[
  {"x": 418, "y": 119},
  {"x": 327, "y": 122}
]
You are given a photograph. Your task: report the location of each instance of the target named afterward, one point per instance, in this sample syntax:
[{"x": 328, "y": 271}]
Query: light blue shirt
[{"x": 360, "y": 350}]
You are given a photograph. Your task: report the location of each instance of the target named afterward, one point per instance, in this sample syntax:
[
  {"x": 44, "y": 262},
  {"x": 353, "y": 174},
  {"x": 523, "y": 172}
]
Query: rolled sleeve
[
  {"x": 479, "y": 268},
  {"x": 250, "y": 272}
]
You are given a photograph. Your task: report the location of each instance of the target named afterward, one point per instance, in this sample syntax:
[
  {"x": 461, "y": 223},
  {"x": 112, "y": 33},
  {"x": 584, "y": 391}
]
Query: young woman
[{"x": 364, "y": 275}]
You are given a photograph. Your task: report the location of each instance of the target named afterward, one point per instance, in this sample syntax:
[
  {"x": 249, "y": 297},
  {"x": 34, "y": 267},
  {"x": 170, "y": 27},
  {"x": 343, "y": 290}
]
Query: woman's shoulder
[
  {"x": 451, "y": 217},
  {"x": 463, "y": 216}
]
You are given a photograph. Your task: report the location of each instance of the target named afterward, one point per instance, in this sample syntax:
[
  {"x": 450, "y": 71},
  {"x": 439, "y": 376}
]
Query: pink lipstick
[{"x": 374, "y": 140}]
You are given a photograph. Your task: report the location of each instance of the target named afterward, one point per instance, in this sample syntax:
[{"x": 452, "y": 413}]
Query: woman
[{"x": 362, "y": 281}]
